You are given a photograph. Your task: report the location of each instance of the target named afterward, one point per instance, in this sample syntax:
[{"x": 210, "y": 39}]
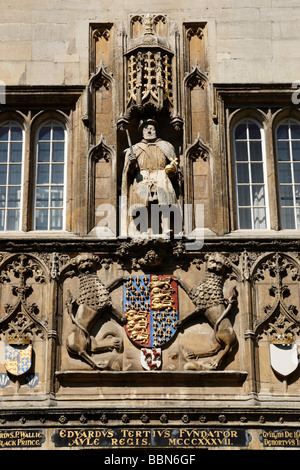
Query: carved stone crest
[
  {"x": 18, "y": 354},
  {"x": 151, "y": 308}
]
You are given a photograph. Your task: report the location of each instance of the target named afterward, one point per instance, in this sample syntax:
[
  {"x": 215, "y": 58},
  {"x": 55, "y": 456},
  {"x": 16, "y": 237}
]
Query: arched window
[
  {"x": 49, "y": 197},
  {"x": 288, "y": 164},
  {"x": 251, "y": 192},
  {"x": 11, "y": 175}
]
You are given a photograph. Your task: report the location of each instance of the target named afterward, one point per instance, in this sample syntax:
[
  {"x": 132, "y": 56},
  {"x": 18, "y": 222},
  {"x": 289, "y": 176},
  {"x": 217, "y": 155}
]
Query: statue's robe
[{"x": 146, "y": 180}]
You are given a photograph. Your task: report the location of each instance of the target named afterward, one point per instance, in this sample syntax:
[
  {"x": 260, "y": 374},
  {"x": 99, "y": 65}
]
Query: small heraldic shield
[
  {"x": 151, "y": 358},
  {"x": 18, "y": 354},
  {"x": 284, "y": 356}
]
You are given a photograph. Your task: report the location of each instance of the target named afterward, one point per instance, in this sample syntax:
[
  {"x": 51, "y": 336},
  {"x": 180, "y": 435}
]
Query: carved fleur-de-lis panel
[
  {"x": 23, "y": 296},
  {"x": 150, "y": 78},
  {"x": 149, "y": 67}
]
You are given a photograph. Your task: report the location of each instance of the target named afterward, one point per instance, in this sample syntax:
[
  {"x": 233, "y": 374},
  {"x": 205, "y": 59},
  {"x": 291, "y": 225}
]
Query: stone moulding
[
  {"x": 196, "y": 416},
  {"x": 20, "y": 95},
  {"x": 153, "y": 378}
]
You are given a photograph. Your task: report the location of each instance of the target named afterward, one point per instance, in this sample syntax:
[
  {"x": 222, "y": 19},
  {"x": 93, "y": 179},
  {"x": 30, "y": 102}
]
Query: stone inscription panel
[
  {"x": 284, "y": 438},
  {"x": 163, "y": 438},
  {"x": 18, "y": 438}
]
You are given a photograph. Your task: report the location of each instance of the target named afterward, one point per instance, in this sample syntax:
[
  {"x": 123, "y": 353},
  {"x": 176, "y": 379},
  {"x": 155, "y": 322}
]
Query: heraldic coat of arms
[
  {"x": 151, "y": 308},
  {"x": 18, "y": 354}
]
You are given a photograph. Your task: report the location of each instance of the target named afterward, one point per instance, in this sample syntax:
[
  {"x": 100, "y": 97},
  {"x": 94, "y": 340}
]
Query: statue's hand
[
  {"x": 132, "y": 158},
  {"x": 170, "y": 169}
]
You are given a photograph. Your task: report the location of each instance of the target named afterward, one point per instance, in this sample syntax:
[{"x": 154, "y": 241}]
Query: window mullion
[
  {"x": 35, "y": 181},
  {"x": 50, "y": 176},
  {"x": 7, "y": 173},
  {"x": 292, "y": 169}
]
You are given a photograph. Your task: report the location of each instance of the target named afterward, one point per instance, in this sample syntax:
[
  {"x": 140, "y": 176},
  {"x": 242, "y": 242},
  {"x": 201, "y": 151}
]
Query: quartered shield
[
  {"x": 18, "y": 358},
  {"x": 151, "y": 308}
]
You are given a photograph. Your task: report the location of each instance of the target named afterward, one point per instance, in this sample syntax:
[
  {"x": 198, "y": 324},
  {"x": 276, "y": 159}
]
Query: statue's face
[
  {"x": 149, "y": 132},
  {"x": 215, "y": 264},
  {"x": 85, "y": 265}
]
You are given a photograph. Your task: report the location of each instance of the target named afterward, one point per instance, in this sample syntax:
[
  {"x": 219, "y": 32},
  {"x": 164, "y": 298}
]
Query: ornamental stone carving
[
  {"x": 149, "y": 63},
  {"x": 92, "y": 306},
  {"x": 209, "y": 301}
]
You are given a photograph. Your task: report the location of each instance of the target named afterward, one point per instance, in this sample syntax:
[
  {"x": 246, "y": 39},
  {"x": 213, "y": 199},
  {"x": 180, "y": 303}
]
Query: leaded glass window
[
  {"x": 49, "y": 203},
  {"x": 11, "y": 175},
  {"x": 251, "y": 191},
  {"x": 288, "y": 164}
]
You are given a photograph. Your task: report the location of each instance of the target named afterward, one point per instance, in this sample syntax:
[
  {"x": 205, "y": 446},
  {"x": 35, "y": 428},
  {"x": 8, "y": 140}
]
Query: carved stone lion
[
  {"x": 93, "y": 302},
  {"x": 209, "y": 301}
]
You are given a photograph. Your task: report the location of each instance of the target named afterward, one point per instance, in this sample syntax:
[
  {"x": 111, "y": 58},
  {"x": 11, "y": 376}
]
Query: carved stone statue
[
  {"x": 209, "y": 301},
  {"x": 93, "y": 303},
  {"x": 150, "y": 166}
]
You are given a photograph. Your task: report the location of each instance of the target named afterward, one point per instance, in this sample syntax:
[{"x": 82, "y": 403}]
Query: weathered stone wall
[{"x": 46, "y": 43}]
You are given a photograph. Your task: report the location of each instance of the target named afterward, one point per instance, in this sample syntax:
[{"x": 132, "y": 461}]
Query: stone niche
[
  {"x": 150, "y": 68},
  {"x": 26, "y": 323}
]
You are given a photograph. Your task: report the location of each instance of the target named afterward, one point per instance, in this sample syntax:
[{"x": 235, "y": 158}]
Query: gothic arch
[
  {"x": 271, "y": 269},
  {"x": 20, "y": 276}
]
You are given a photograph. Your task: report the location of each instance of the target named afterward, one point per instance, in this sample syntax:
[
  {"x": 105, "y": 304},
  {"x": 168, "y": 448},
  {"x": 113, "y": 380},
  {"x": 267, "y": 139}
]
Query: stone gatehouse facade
[{"x": 149, "y": 225}]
